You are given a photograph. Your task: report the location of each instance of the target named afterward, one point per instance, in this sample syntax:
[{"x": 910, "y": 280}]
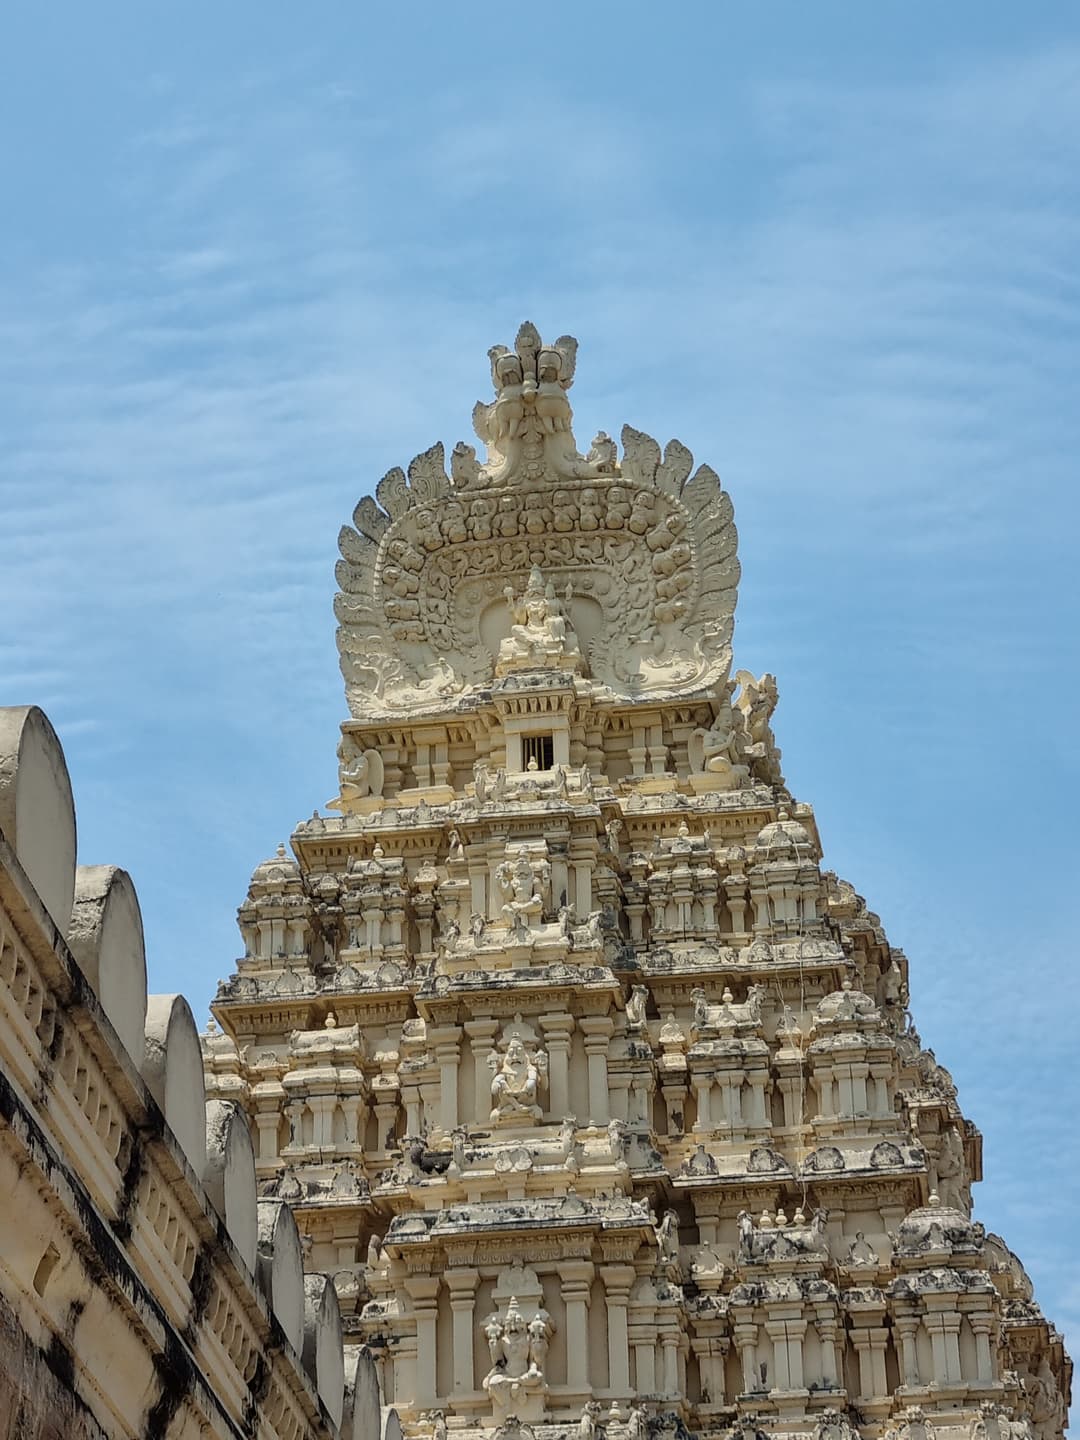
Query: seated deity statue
[
  {"x": 360, "y": 774},
  {"x": 518, "y": 1350},
  {"x": 515, "y": 1084},
  {"x": 523, "y": 887},
  {"x": 860, "y": 1252},
  {"x": 539, "y": 633},
  {"x": 717, "y": 750}
]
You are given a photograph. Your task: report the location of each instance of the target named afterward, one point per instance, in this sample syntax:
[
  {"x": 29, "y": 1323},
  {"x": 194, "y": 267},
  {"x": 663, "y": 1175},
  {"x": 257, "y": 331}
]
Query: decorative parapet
[{"x": 133, "y": 1263}]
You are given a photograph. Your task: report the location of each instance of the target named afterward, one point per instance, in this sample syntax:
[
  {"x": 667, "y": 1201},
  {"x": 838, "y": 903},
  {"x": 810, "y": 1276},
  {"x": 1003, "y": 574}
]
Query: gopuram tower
[{"x": 597, "y": 1097}]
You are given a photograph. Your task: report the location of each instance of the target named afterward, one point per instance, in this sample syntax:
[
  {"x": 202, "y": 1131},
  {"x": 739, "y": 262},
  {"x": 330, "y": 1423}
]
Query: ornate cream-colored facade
[{"x": 595, "y": 1094}]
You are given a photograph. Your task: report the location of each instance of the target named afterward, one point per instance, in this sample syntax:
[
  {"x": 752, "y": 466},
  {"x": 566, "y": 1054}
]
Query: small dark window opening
[{"x": 538, "y": 748}]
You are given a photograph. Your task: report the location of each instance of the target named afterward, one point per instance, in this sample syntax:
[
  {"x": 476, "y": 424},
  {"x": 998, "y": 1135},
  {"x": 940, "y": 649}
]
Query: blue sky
[{"x": 254, "y": 255}]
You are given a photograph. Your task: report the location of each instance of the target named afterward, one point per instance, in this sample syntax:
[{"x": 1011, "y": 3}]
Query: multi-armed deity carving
[
  {"x": 640, "y": 553},
  {"x": 539, "y": 635},
  {"x": 524, "y": 880},
  {"x": 518, "y": 1074},
  {"x": 518, "y": 1341}
]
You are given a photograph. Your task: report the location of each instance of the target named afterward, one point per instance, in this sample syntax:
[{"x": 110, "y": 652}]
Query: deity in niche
[
  {"x": 518, "y": 1350},
  {"x": 635, "y": 1008},
  {"x": 861, "y": 1253},
  {"x": 539, "y": 634},
  {"x": 525, "y": 887},
  {"x": 516, "y": 1082}
]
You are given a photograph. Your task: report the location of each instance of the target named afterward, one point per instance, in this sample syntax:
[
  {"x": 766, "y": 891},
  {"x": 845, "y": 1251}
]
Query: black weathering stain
[{"x": 100, "y": 1248}]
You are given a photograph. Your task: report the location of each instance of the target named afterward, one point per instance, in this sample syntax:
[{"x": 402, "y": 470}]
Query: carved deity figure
[
  {"x": 718, "y": 750},
  {"x": 860, "y": 1252},
  {"x": 635, "y": 1008},
  {"x": 518, "y": 1350},
  {"x": 516, "y": 1083},
  {"x": 637, "y": 1425},
  {"x": 524, "y": 886},
  {"x": 757, "y": 701},
  {"x": 360, "y": 774},
  {"x": 539, "y": 633},
  {"x": 949, "y": 1167},
  {"x": 589, "y": 1427},
  {"x": 1045, "y": 1401},
  {"x": 701, "y": 1007},
  {"x": 671, "y": 1032},
  {"x": 667, "y": 1239},
  {"x": 834, "y": 1425}
]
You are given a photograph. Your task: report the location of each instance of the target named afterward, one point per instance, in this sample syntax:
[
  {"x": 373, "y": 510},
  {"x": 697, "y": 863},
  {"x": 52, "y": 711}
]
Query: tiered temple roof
[{"x": 597, "y": 1096}]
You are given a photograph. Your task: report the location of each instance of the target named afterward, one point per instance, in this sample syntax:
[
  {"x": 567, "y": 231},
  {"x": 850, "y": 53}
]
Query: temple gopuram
[{"x": 595, "y": 1095}]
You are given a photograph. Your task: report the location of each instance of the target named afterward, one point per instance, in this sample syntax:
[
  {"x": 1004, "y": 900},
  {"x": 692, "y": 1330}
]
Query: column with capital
[
  {"x": 746, "y": 1340},
  {"x": 944, "y": 1328},
  {"x": 446, "y": 1041},
  {"x": 906, "y": 1327},
  {"x": 702, "y": 1084},
  {"x": 597, "y": 1030},
  {"x": 825, "y": 1321},
  {"x": 983, "y": 1328},
  {"x": 582, "y": 859},
  {"x": 575, "y": 1278},
  {"x": 481, "y": 1035},
  {"x": 669, "y": 1368},
  {"x": 462, "y": 1282},
  {"x": 557, "y": 1030},
  {"x": 423, "y": 1290},
  {"x": 617, "y": 1281},
  {"x": 267, "y": 1122},
  {"x": 710, "y": 1346},
  {"x": 781, "y": 1374},
  {"x": 796, "y": 1333}
]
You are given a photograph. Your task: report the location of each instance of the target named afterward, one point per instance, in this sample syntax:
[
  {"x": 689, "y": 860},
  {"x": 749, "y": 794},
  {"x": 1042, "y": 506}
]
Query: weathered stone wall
[
  {"x": 130, "y": 1251},
  {"x": 37, "y": 1391}
]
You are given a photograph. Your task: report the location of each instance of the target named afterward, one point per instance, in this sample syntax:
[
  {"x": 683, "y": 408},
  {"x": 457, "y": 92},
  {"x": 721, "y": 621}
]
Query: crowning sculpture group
[{"x": 551, "y": 1026}]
